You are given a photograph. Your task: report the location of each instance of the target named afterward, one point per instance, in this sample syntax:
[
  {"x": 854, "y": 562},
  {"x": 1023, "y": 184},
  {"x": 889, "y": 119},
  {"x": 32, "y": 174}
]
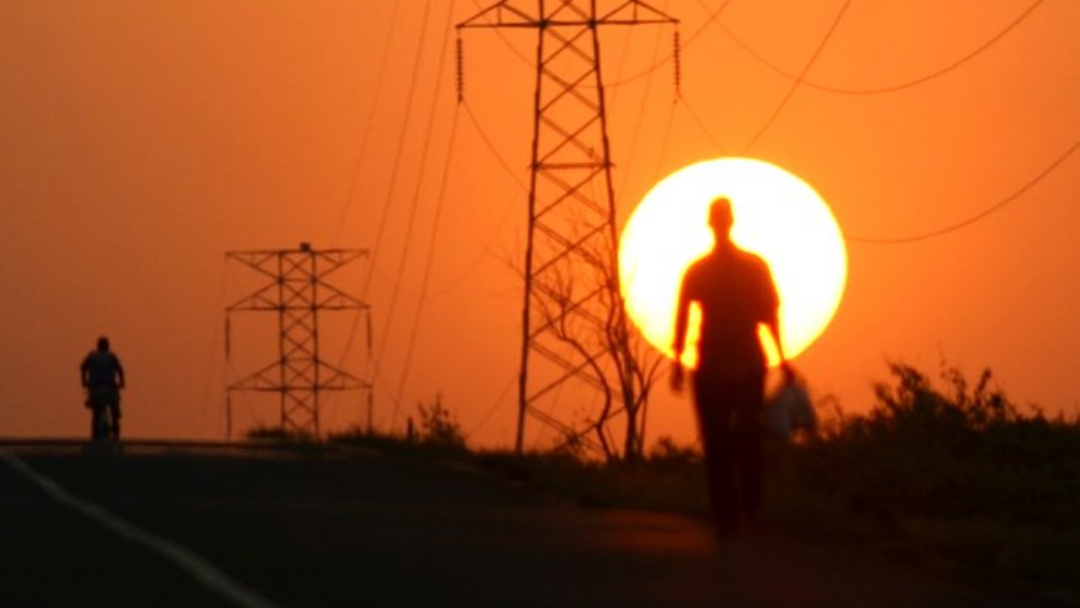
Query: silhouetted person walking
[
  {"x": 735, "y": 293},
  {"x": 102, "y": 376}
]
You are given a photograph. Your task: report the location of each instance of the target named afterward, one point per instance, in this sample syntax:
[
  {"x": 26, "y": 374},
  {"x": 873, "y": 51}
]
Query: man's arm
[
  {"x": 119, "y": 372},
  {"x": 785, "y": 366},
  {"x": 774, "y": 330},
  {"x": 82, "y": 373},
  {"x": 682, "y": 321},
  {"x": 772, "y": 321}
]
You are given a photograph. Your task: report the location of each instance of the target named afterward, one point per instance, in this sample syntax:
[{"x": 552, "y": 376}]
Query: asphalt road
[{"x": 209, "y": 527}]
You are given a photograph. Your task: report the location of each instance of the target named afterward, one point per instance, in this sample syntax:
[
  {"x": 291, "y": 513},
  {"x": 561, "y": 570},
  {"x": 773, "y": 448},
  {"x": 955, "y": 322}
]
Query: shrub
[
  {"x": 438, "y": 426},
  {"x": 668, "y": 454},
  {"x": 280, "y": 434},
  {"x": 955, "y": 452}
]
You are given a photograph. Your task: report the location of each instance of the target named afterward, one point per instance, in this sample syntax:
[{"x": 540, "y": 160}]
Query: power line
[
  {"x": 974, "y": 218},
  {"x": 664, "y": 144},
  {"x": 456, "y": 282},
  {"x": 393, "y": 181},
  {"x": 363, "y": 135},
  {"x": 510, "y": 47},
  {"x": 621, "y": 65},
  {"x": 429, "y": 262},
  {"x": 415, "y": 203},
  {"x": 888, "y": 88},
  {"x": 641, "y": 107},
  {"x": 700, "y": 124},
  {"x": 494, "y": 408},
  {"x": 685, "y": 43},
  {"x": 376, "y": 247},
  {"x": 393, "y": 175},
  {"x": 798, "y": 81},
  {"x": 459, "y": 280},
  {"x": 494, "y": 151}
]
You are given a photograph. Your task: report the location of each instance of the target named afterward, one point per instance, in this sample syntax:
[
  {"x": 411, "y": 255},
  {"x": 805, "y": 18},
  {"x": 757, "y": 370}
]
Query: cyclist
[{"x": 102, "y": 376}]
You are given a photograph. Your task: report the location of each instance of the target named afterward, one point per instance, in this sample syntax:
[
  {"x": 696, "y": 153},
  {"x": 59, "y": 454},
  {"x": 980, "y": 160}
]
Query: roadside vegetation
[
  {"x": 941, "y": 471},
  {"x": 956, "y": 472}
]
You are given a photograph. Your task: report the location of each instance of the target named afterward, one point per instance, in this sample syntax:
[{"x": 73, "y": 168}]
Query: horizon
[{"x": 142, "y": 142}]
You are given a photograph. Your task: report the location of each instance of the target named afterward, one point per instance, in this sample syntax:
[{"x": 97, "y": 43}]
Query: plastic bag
[{"x": 790, "y": 410}]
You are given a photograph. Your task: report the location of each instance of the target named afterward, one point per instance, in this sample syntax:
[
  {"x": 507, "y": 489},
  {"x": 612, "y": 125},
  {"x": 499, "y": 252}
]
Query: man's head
[
  {"x": 103, "y": 343},
  {"x": 720, "y": 218}
]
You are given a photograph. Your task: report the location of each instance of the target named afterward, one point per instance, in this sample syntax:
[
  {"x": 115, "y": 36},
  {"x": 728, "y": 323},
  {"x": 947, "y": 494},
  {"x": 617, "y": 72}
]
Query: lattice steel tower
[
  {"x": 571, "y": 272},
  {"x": 296, "y": 288}
]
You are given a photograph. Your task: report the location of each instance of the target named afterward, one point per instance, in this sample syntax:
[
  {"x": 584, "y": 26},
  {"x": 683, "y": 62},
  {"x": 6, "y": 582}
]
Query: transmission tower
[
  {"x": 295, "y": 287},
  {"x": 571, "y": 270}
]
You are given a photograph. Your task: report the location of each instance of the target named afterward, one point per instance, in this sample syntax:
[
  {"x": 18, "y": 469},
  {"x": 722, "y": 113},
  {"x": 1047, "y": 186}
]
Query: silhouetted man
[
  {"x": 102, "y": 376},
  {"x": 735, "y": 293}
]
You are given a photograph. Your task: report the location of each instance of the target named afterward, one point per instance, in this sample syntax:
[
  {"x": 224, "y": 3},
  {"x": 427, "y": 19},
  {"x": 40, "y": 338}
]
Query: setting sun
[{"x": 777, "y": 216}]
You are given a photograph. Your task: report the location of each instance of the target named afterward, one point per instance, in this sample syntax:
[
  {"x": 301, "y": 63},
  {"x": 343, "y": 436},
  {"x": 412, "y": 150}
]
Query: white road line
[{"x": 198, "y": 568}]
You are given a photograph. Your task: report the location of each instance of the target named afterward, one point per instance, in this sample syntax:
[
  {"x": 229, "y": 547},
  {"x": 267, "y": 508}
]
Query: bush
[
  {"x": 438, "y": 426},
  {"x": 667, "y": 454},
  {"x": 278, "y": 434},
  {"x": 957, "y": 452}
]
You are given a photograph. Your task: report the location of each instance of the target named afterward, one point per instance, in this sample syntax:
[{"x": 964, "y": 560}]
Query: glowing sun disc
[{"x": 777, "y": 216}]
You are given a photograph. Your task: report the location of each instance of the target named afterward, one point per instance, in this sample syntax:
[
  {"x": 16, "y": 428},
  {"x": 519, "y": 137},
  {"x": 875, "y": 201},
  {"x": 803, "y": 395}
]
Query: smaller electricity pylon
[{"x": 296, "y": 288}]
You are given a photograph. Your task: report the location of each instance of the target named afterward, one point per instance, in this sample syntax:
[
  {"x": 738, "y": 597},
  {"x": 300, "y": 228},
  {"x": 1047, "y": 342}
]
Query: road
[{"x": 176, "y": 526}]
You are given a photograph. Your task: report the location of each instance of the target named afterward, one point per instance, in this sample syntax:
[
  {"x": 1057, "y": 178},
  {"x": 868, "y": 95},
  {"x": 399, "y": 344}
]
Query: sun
[{"x": 777, "y": 216}]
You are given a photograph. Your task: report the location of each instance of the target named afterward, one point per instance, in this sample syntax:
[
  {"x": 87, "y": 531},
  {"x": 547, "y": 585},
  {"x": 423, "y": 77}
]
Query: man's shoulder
[
  {"x": 736, "y": 260},
  {"x": 99, "y": 356},
  {"x": 697, "y": 265},
  {"x": 751, "y": 263},
  {"x": 748, "y": 257},
  {"x": 701, "y": 268}
]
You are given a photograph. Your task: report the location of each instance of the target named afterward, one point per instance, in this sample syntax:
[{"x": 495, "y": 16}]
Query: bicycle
[{"x": 104, "y": 414}]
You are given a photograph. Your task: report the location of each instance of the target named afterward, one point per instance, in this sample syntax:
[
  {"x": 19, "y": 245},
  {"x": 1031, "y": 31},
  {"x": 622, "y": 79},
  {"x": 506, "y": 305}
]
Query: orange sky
[{"x": 139, "y": 141}]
